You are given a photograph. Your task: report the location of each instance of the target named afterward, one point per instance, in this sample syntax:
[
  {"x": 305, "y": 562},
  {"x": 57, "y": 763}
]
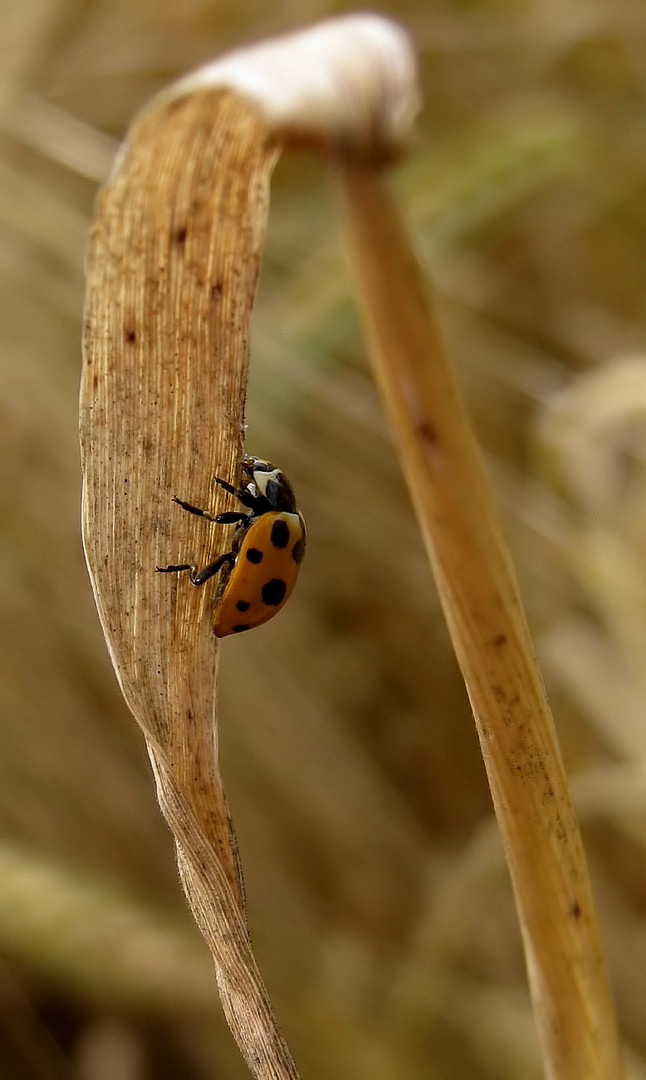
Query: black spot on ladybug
[
  {"x": 240, "y": 627},
  {"x": 273, "y": 592},
  {"x": 280, "y": 534},
  {"x": 254, "y": 555},
  {"x": 298, "y": 551},
  {"x": 242, "y": 605}
]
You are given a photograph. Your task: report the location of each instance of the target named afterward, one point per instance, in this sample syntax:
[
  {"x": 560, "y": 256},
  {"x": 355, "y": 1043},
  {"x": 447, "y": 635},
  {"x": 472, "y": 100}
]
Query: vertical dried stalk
[{"x": 482, "y": 605}]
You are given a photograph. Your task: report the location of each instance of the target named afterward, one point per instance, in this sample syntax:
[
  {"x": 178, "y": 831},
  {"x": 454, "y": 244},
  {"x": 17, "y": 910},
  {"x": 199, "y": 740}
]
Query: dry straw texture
[
  {"x": 172, "y": 273},
  {"x": 380, "y": 905},
  {"x": 171, "y": 281},
  {"x": 482, "y": 604}
]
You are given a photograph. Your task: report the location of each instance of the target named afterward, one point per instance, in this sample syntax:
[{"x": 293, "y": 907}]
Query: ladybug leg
[
  {"x": 198, "y": 577},
  {"x": 226, "y": 485},
  {"x": 232, "y": 516},
  {"x": 243, "y": 496},
  {"x": 228, "y": 518},
  {"x": 193, "y": 509},
  {"x": 203, "y": 575}
]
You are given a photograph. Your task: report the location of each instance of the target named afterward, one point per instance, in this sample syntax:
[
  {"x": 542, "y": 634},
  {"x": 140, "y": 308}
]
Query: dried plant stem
[{"x": 482, "y": 605}]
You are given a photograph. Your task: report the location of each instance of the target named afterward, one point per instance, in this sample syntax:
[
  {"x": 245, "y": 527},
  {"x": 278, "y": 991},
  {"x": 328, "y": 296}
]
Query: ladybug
[{"x": 259, "y": 572}]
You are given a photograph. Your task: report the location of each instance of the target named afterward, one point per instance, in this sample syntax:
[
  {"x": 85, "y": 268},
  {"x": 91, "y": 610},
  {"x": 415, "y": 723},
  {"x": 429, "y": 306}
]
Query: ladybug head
[{"x": 268, "y": 482}]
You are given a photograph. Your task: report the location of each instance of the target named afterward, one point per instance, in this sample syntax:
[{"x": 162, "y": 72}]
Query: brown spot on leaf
[{"x": 428, "y": 433}]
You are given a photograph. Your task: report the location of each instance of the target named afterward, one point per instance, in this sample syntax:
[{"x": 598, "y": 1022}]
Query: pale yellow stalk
[{"x": 483, "y": 608}]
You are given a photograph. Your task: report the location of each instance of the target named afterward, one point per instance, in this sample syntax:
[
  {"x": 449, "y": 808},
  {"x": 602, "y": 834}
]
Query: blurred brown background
[{"x": 379, "y": 901}]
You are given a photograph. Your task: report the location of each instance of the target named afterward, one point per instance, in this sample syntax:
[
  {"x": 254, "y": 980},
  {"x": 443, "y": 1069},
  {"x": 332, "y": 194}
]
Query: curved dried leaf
[{"x": 172, "y": 273}]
